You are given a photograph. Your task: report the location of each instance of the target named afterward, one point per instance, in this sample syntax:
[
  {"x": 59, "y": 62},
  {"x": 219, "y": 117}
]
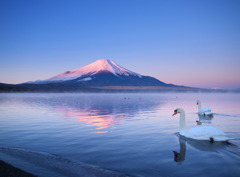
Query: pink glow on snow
[{"x": 93, "y": 68}]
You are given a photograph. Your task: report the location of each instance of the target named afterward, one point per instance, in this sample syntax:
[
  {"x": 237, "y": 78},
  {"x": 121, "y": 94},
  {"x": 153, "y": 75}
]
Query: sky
[{"x": 185, "y": 42}]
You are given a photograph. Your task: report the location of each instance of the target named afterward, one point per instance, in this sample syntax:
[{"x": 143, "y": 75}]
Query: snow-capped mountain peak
[
  {"x": 101, "y": 65},
  {"x": 101, "y": 73}
]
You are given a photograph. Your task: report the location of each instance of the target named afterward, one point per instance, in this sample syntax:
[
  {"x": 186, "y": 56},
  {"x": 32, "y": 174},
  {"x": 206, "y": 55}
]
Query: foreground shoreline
[
  {"x": 16, "y": 162},
  {"x": 9, "y": 170}
]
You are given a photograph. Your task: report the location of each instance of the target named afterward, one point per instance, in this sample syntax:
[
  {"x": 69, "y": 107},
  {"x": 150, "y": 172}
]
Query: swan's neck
[
  {"x": 182, "y": 123},
  {"x": 199, "y": 105}
]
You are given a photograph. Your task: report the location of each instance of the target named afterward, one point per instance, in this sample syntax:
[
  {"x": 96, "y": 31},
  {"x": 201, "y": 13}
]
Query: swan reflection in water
[
  {"x": 203, "y": 119},
  {"x": 207, "y": 146},
  {"x": 180, "y": 157}
]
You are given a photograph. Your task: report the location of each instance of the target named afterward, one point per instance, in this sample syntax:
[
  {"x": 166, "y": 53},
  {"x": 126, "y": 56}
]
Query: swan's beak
[{"x": 175, "y": 112}]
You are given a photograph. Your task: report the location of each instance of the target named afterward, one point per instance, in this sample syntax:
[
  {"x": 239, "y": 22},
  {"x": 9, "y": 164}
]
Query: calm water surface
[{"x": 134, "y": 134}]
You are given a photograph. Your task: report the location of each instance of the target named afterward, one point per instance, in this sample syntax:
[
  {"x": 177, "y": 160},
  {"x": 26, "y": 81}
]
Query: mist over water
[{"x": 134, "y": 134}]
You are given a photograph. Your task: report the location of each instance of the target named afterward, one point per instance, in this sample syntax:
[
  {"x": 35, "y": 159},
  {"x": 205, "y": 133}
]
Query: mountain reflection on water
[{"x": 103, "y": 111}]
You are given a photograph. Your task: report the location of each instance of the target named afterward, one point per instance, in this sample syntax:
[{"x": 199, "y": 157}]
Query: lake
[{"x": 55, "y": 134}]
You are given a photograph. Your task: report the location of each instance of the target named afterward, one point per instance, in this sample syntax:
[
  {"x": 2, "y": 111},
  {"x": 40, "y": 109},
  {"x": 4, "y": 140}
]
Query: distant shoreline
[{"x": 55, "y": 88}]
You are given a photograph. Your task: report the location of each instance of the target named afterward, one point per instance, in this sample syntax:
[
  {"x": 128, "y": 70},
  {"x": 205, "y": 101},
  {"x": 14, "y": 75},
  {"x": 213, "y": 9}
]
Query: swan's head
[
  {"x": 178, "y": 110},
  {"x": 198, "y": 102}
]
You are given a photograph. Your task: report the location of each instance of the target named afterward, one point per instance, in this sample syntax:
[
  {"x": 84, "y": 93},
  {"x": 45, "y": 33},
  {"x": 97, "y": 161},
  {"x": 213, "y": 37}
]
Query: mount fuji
[
  {"x": 100, "y": 76},
  {"x": 102, "y": 73}
]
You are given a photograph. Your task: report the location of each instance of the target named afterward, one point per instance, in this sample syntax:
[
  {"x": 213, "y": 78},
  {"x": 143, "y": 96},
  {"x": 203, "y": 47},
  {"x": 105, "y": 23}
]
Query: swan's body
[
  {"x": 200, "y": 132},
  {"x": 206, "y": 111},
  {"x": 205, "y": 133}
]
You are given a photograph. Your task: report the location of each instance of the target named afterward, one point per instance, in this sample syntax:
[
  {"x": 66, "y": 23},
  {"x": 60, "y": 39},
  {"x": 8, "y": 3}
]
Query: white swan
[
  {"x": 200, "y": 132},
  {"x": 207, "y": 111}
]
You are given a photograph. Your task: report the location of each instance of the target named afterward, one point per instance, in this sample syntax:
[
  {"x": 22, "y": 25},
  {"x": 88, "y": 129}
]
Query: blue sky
[{"x": 186, "y": 42}]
